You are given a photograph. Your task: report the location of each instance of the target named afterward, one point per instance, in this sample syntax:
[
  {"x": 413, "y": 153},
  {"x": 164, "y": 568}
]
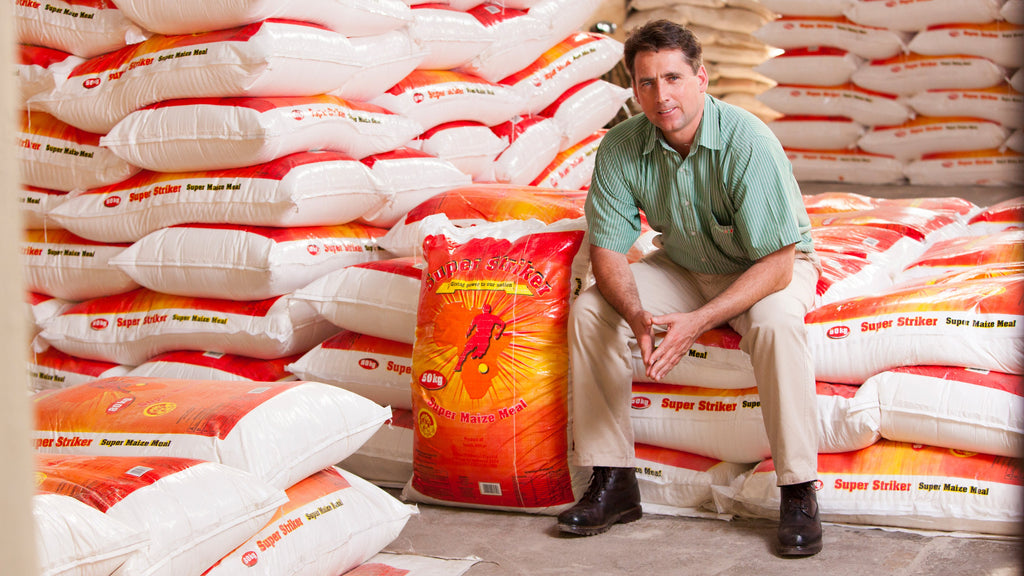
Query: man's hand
[{"x": 681, "y": 330}]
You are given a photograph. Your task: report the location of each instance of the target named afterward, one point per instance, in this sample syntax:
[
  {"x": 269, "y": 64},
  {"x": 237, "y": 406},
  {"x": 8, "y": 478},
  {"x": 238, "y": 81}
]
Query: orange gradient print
[{"x": 490, "y": 370}]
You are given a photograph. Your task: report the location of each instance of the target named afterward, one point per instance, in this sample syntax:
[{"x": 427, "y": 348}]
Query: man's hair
[{"x": 658, "y": 35}]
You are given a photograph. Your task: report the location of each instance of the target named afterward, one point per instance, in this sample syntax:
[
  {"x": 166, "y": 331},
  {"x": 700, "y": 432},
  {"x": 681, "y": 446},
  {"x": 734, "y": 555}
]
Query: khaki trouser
[{"x": 773, "y": 335}]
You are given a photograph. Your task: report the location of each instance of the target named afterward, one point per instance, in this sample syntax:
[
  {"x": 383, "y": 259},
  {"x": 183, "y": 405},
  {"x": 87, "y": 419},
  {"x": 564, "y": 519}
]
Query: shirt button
[{"x": 693, "y": 232}]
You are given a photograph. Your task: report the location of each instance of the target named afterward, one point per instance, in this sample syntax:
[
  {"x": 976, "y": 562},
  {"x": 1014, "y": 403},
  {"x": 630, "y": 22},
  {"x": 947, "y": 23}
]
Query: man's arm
[
  {"x": 616, "y": 283},
  {"x": 768, "y": 275}
]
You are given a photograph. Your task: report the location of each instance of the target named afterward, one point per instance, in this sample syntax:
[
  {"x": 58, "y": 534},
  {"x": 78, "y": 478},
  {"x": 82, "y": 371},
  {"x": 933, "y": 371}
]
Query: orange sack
[{"x": 490, "y": 369}]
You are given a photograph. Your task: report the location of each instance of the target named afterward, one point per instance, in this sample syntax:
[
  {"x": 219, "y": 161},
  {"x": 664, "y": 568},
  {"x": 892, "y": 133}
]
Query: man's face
[{"x": 669, "y": 93}]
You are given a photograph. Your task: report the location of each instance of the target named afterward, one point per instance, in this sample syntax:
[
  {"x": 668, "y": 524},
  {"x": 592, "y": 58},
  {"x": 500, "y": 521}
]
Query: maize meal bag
[
  {"x": 490, "y": 373},
  {"x": 480, "y": 203},
  {"x": 470, "y": 146},
  {"x": 895, "y": 484},
  {"x": 192, "y": 512},
  {"x": 519, "y": 39},
  {"x": 534, "y": 142},
  {"x": 75, "y": 539},
  {"x": 917, "y": 15},
  {"x": 577, "y": 58},
  {"x": 55, "y": 155},
  {"x": 851, "y": 166},
  {"x": 959, "y": 408},
  {"x": 375, "y": 368},
  {"x": 376, "y": 298},
  {"x": 348, "y": 17},
  {"x": 52, "y": 368},
  {"x": 385, "y": 59},
  {"x": 61, "y": 264},
  {"x": 846, "y": 276},
  {"x": 197, "y": 365},
  {"x": 572, "y": 168},
  {"x": 302, "y": 189},
  {"x": 916, "y": 138},
  {"x": 586, "y": 108},
  {"x": 244, "y": 262},
  {"x": 279, "y": 432},
  {"x": 966, "y": 253},
  {"x": 868, "y": 42},
  {"x": 36, "y": 204},
  {"x": 908, "y": 74},
  {"x": 408, "y": 177},
  {"x": 433, "y": 97},
  {"x": 973, "y": 323},
  {"x": 679, "y": 483},
  {"x": 811, "y": 66},
  {"x": 332, "y": 522},
  {"x": 885, "y": 247},
  {"x": 266, "y": 58},
  {"x": 132, "y": 327},
  {"x": 453, "y": 37},
  {"x": 986, "y": 167},
  {"x": 85, "y": 28},
  {"x": 727, "y": 424},
  {"x": 192, "y": 134},
  {"x": 39, "y": 69},
  {"x": 863, "y": 106},
  {"x": 999, "y": 103},
  {"x": 1000, "y": 216},
  {"x": 386, "y": 458}
]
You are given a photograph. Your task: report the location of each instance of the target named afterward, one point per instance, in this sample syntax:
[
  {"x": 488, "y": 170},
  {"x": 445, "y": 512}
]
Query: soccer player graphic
[{"x": 478, "y": 337}]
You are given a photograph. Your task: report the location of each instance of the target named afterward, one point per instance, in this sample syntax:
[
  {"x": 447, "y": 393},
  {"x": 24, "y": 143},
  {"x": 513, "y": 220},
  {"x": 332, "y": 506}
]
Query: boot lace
[{"x": 598, "y": 480}]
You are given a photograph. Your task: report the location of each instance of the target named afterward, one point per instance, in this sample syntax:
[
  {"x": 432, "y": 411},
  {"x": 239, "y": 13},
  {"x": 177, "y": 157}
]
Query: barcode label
[
  {"x": 490, "y": 488},
  {"x": 138, "y": 471}
]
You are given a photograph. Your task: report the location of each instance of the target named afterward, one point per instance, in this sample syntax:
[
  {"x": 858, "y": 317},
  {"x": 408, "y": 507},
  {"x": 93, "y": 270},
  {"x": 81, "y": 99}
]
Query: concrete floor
[{"x": 510, "y": 544}]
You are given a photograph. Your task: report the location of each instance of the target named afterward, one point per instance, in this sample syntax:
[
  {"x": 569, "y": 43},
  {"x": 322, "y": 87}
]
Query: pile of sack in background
[
  {"x": 407, "y": 224},
  {"x": 187, "y": 169},
  {"x": 926, "y": 91}
]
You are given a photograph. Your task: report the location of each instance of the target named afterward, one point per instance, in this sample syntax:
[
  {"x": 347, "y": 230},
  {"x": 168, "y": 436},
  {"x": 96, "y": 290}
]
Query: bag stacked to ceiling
[{"x": 878, "y": 93}]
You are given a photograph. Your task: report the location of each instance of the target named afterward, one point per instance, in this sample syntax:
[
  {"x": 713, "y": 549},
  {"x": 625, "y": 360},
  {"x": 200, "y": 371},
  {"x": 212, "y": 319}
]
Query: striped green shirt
[{"x": 731, "y": 201}]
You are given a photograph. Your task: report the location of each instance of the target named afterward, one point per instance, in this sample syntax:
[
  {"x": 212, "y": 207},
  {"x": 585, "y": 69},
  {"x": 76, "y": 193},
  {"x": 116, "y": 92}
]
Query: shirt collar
[{"x": 706, "y": 138}]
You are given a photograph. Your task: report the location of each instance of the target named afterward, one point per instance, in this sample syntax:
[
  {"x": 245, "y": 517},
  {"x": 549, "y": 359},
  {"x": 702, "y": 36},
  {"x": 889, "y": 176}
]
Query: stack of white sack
[
  {"x": 247, "y": 479},
  {"x": 938, "y": 355},
  {"x": 731, "y": 50},
  {"x": 918, "y": 381},
  {"x": 223, "y": 108},
  {"x": 867, "y": 98}
]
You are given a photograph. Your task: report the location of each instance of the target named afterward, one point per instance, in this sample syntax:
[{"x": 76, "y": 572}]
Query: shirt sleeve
[
  {"x": 770, "y": 214},
  {"x": 613, "y": 217}
]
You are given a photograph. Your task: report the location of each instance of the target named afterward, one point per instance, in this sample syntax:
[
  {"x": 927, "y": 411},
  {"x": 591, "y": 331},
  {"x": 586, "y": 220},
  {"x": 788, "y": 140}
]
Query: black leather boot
[
  {"x": 799, "y": 521},
  {"x": 613, "y": 497}
]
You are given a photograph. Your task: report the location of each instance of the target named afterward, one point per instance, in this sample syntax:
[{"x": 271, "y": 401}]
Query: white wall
[{"x": 17, "y": 546}]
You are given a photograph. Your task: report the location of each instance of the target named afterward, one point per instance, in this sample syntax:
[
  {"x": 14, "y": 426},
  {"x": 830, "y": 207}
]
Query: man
[{"x": 736, "y": 250}]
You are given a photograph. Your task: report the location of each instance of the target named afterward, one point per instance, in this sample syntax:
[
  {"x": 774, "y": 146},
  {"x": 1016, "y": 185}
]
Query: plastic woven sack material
[
  {"x": 219, "y": 133},
  {"x": 302, "y": 189},
  {"x": 132, "y": 327},
  {"x": 727, "y": 425},
  {"x": 39, "y": 69},
  {"x": 196, "y": 365},
  {"x": 55, "y": 155},
  {"x": 375, "y": 368},
  {"x": 811, "y": 66},
  {"x": 53, "y": 369},
  {"x": 375, "y": 298},
  {"x": 480, "y": 203},
  {"x": 386, "y": 459},
  {"x": 453, "y": 37},
  {"x": 868, "y": 42},
  {"x": 959, "y": 408},
  {"x": 348, "y": 17},
  {"x": 988, "y": 167},
  {"x": 848, "y": 100},
  {"x": 489, "y": 368},
  {"x": 278, "y": 432},
  {"x": 268, "y": 58},
  {"x": 85, "y": 28},
  {"x": 409, "y": 177},
  {"x": 918, "y": 15},
  {"x": 332, "y": 522},
  {"x": 192, "y": 511},
  {"x": 244, "y": 262},
  {"x": 999, "y": 103},
  {"x": 971, "y": 323},
  {"x": 61, "y": 264},
  {"x": 75, "y": 539},
  {"x": 893, "y": 484}
]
